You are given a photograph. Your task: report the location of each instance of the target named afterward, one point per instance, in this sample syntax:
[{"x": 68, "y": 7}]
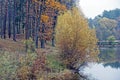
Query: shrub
[{"x": 77, "y": 43}]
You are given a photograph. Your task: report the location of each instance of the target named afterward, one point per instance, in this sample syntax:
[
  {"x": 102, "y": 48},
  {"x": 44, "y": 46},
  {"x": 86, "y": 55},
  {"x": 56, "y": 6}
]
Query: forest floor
[{"x": 10, "y": 45}]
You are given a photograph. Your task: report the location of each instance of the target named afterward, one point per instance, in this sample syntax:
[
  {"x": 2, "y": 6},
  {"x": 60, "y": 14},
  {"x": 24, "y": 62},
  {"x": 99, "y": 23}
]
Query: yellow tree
[{"x": 76, "y": 41}]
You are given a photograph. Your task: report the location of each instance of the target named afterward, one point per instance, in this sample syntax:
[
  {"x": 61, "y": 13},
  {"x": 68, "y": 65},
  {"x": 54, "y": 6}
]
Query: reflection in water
[
  {"x": 107, "y": 54},
  {"x": 99, "y": 72},
  {"x": 113, "y": 64},
  {"x": 108, "y": 67}
]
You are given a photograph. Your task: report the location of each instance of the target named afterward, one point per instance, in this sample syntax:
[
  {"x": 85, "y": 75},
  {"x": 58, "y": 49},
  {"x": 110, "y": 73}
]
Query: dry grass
[{"x": 10, "y": 45}]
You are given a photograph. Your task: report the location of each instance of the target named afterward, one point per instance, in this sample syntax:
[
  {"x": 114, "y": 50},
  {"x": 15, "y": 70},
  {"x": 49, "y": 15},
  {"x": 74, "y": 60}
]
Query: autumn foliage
[
  {"x": 47, "y": 14},
  {"x": 77, "y": 42}
]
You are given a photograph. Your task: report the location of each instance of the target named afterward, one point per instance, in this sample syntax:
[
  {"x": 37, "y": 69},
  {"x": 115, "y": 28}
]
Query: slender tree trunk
[
  {"x": 26, "y": 26},
  {"x": 42, "y": 37},
  {"x": 22, "y": 17},
  {"x": 27, "y": 21},
  {"x": 42, "y": 40},
  {"x": 38, "y": 23},
  {"x": 1, "y": 19},
  {"x": 14, "y": 14},
  {"x": 9, "y": 26},
  {"x": 36, "y": 33},
  {"x": 36, "y": 36},
  {"x": 5, "y": 20},
  {"x": 53, "y": 34},
  {"x": 9, "y": 20}
]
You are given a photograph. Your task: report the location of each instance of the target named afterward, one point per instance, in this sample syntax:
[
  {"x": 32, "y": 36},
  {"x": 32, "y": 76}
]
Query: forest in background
[{"x": 107, "y": 25}]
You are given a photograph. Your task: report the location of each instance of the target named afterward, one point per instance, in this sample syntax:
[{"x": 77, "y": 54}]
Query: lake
[{"x": 107, "y": 69}]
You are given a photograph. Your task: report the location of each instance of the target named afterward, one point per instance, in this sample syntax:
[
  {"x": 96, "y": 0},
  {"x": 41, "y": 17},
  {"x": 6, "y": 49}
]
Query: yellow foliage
[{"x": 76, "y": 41}]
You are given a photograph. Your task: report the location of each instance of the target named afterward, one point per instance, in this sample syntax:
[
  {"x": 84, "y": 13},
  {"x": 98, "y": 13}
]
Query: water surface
[
  {"x": 107, "y": 69},
  {"x": 99, "y": 72}
]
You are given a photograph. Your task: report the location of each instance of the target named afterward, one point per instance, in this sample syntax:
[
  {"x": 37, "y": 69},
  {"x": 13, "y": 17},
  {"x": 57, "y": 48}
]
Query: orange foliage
[
  {"x": 56, "y": 5},
  {"x": 51, "y": 9},
  {"x": 44, "y": 18}
]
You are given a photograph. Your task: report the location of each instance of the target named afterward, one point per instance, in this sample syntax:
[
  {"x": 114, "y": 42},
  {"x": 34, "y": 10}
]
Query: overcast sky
[{"x": 92, "y": 8}]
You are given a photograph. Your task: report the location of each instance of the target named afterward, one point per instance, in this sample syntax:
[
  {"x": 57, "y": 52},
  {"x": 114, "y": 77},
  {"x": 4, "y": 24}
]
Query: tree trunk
[
  {"x": 14, "y": 14},
  {"x": 9, "y": 20},
  {"x": 1, "y": 19},
  {"x": 5, "y": 20},
  {"x": 42, "y": 37},
  {"x": 42, "y": 40},
  {"x": 27, "y": 18},
  {"x": 53, "y": 34}
]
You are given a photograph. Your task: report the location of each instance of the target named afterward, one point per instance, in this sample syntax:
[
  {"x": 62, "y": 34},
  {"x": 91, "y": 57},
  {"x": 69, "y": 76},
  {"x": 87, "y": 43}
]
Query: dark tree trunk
[
  {"x": 1, "y": 19},
  {"x": 53, "y": 34},
  {"x": 26, "y": 25},
  {"x": 9, "y": 26},
  {"x": 27, "y": 17},
  {"x": 42, "y": 37},
  {"x": 36, "y": 28},
  {"x": 9, "y": 20},
  {"x": 36, "y": 35},
  {"x": 38, "y": 23},
  {"x": 22, "y": 17},
  {"x": 5, "y": 20},
  {"x": 14, "y": 14},
  {"x": 42, "y": 43},
  {"x": 42, "y": 40}
]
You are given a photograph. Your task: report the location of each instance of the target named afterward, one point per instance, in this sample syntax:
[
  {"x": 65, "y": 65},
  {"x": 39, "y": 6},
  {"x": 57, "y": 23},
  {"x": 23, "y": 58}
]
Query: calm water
[{"x": 108, "y": 68}]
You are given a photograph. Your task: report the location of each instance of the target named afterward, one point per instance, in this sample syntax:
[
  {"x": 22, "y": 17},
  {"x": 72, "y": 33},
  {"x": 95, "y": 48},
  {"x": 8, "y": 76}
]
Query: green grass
[{"x": 54, "y": 63}]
